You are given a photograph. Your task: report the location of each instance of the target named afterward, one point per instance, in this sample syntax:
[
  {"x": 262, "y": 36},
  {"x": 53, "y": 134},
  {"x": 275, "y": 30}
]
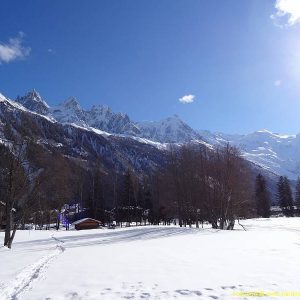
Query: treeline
[
  {"x": 289, "y": 205},
  {"x": 33, "y": 185},
  {"x": 200, "y": 185},
  {"x": 195, "y": 185}
]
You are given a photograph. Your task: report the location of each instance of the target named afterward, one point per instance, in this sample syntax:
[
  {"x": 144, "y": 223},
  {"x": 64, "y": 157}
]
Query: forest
[{"x": 197, "y": 184}]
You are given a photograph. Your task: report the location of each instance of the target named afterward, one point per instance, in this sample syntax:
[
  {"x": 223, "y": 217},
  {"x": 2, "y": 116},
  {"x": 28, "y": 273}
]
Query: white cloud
[
  {"x": 13, "y": 49},
  {"x": 278, "y": 82},
  {"x": 187, "y": 99},
  {"x": 288, "y": 12}
]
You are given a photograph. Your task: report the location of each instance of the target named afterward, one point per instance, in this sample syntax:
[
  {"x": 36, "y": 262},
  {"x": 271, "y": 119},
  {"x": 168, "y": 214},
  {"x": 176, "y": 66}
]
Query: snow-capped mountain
[
  {"x": 69, "y": 111},
  {"x": 78, "y": 144},
  {"x": 274, "y": 152},
  {"x": 100, "y": 117},
  {"x": 169, "y": 130},
  {"x": 34, "y": 102},
  {"x": 103, "y": 118}
]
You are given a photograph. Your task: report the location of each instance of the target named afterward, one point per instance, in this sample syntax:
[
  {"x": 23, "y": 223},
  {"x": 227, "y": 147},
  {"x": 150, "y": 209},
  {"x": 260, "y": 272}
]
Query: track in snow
[
  {"x": 24, "y": 280},
  {"x": 108, "y": 237},
  {"x": 28, "y": 276}
]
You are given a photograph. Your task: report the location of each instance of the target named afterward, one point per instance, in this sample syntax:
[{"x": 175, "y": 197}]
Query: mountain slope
[
  {"x": 103, "y": 118},
  {"x": 79, "y": 143},
  {"x": 274, "y": 152},
  {"x": 69, "y": 111},
  {"x": 34, "y": 102},
  {"x": 100, "y": 117},
  {"x": 169, "y": 130}
]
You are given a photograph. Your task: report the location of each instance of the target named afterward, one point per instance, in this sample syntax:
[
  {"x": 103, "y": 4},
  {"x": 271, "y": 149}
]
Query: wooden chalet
[{"x": 86, "y": 223}]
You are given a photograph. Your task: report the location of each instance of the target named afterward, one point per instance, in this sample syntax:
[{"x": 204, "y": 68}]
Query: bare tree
[
  {"x": 204, "y": 184},
  {"x": 15, "y": 187}
]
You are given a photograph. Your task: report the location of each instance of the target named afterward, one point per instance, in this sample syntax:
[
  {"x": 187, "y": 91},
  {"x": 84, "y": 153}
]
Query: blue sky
[{"x": 235, "y": 65}]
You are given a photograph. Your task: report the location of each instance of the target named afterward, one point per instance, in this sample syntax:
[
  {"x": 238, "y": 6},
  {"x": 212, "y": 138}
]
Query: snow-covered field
[{"x": 153, "y": 262}]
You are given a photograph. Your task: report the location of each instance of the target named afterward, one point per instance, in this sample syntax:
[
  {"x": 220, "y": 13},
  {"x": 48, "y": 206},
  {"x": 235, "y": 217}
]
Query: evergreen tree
[
  {"x": 284, "y": 196},
  {"x": 262, "y": 197},
  {"x": 97, "y": 197},
  {"x": 280, "y": 193},
  {"x": 289, "y": 198},
  {"x": 128, "y": 194},
  {"x": 148, "y": 204},
  {"x": 129, "y": 201},
  {"x": 297, "y": 194}
]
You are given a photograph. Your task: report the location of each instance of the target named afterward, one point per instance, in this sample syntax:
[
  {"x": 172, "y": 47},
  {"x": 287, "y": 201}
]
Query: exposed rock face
[
  {"x": 34, "y": 102},
  {"x": 274, "y": 153}
]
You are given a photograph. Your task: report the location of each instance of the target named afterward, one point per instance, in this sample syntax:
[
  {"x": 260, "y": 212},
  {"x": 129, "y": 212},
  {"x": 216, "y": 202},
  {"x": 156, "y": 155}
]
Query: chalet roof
[{"x": 83, "y": 220}]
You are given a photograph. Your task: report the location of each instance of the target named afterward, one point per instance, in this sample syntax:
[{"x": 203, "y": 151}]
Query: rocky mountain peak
[
  {"x": 33, "y": 101},
  {"x": 71, "y": 103}
]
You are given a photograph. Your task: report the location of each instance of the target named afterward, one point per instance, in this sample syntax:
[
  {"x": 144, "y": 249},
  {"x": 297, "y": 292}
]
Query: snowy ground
[{"x": 153, "y": 262}]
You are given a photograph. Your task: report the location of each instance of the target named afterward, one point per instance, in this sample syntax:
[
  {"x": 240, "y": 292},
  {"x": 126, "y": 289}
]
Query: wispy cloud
[
  {"x": 51, "y": 51},
  {"x": 287, "y": 12},
  {"x": 278, "y": 82},
  {"x": 13, "y": 49},
  {"x": 187, "y": 99}
]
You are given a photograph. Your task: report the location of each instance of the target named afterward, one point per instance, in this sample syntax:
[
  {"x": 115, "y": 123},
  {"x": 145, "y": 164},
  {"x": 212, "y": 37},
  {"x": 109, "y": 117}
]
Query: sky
[{"x": 230, "y": 66}]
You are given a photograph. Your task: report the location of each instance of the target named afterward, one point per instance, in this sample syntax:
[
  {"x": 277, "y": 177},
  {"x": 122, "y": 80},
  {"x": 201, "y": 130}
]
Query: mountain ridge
[{"x": 273, "y": 152}]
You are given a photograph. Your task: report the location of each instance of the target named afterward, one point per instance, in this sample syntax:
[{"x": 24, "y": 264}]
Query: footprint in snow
[
  {"x": 183, "y": 292},
  {"x": 232, "y": 287}
]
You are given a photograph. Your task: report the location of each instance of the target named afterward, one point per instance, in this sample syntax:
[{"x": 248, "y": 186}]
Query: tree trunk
[
  {"x": 8, "y": 225},
  {"x": 12, "y": 236}
]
